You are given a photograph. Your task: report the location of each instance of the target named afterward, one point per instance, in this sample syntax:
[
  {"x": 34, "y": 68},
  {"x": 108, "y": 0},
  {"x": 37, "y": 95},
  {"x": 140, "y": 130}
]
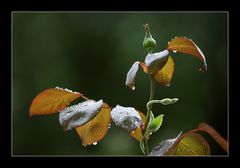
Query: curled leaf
[
  {"x": 126, "y": 117},
  {"x": 168, "y": 101},
  {"x": 137, "y": 133},
  {"x": 51, "y": 101},
  {"x": 97, "y": 128},
  {"x": 164, "y": 147},
  {"x": 156, "y": 61},
  {"x": 187, "y": 46},
  {"x": 164, "y": 75},
  {"x": 215, "y": 135},
  {"x": 192, "y": 144},
  {"x": 77, "y": 115},
  {"x": 131, "y": 75},
  {"x": 165, "y": 101}
]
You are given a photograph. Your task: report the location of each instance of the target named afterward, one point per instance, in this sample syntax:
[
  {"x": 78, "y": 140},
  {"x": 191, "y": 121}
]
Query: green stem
[{"x": 148, "y": 114}]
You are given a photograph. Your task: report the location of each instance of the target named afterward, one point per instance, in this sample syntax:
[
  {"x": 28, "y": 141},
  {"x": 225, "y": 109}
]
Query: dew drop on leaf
[{"x": 94, "y": 143}]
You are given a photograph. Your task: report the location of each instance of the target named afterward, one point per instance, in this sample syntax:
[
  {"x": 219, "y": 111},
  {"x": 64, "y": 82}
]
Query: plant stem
[{"x": 151, "y": 95}]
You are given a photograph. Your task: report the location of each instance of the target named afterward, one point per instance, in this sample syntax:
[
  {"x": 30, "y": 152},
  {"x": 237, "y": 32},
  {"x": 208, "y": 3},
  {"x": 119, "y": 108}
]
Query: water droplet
[
  {"x": 178, "y": 149},
  {"x": 174, "y": 51},
  {"x": 94, "y": 143},
  {"x": 133, "y": 87},
  {"x": 150, "y": 133}
]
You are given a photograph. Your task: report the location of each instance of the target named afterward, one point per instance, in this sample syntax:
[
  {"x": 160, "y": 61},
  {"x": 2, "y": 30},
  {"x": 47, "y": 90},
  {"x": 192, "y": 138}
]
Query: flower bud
[{"x": 148, "y": 43}]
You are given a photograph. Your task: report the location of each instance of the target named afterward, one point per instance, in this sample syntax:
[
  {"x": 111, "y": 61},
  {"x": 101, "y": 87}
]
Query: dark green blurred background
[{"x": 92, "y": 53}]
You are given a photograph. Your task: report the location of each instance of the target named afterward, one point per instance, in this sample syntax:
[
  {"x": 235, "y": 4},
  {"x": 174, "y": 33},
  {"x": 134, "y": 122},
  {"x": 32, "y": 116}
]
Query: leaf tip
[{"x": 203, "y": 68}]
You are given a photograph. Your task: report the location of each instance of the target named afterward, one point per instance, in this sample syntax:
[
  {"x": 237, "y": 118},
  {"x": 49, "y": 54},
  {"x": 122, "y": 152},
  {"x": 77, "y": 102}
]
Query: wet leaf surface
[
  {"x": 126, "y": 117},
  {"x": 164, "y": 147},
  {"x": 137, "y": 133},
  {"x": 131, "y": 75},
  {"x": 97, "y": 128},
  {"x": 193, "y": 144},
  {"x": 77, "y": 115}
]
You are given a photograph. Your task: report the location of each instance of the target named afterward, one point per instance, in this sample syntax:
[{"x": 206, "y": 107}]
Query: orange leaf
[
  {"x": 144, "y": 67},
  {"x": 96, "y": 129},
  {"x": 164, "y": 76},
  {"x": 187, "y": 46},
  {"x": 137, "y": 133},
  {"x": 51, "y": 101}
]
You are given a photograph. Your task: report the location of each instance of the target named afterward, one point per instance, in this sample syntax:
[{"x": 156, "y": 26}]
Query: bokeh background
[{"x": 92, "y": 53}]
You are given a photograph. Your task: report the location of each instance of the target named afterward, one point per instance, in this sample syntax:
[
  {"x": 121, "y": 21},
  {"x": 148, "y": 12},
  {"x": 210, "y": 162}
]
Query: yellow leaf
[
  {"x": 192, "y": 144},
  {"x": 187, "y": 46},
  {"x": 164, "y": 76},
  {"x": 51, "y": 101},
  {"x": 137, "y": 133},
  {"x": 96, "y": 129}
]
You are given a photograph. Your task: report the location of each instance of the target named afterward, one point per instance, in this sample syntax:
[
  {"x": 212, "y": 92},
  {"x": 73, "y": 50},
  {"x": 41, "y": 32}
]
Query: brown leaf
[
  {"x": 137, "y": 133},
  {"x": 164, "y": 76},
  {"x": 187, "y": 46},
  {"x": 215, "y": 135},
  {"x": 95, "y": 129},
  {"x": 51, "y": 101}
]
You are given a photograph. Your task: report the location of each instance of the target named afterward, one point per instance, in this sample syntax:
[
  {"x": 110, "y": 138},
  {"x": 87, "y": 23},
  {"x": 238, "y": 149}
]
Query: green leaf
[
  {"x": 193, "y": 144},
  {"x": 151, "y": 118},
  {"x": 168, "y": 101},
  {"x": 156, "y": 123},
  {"x": 142, "y": 145},
  {"x": 165, "y": 101}
]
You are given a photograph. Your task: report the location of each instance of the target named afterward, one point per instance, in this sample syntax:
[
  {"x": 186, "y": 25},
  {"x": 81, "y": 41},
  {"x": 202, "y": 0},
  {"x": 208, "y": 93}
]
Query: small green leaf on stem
[{"x": 156, "y": 123}]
